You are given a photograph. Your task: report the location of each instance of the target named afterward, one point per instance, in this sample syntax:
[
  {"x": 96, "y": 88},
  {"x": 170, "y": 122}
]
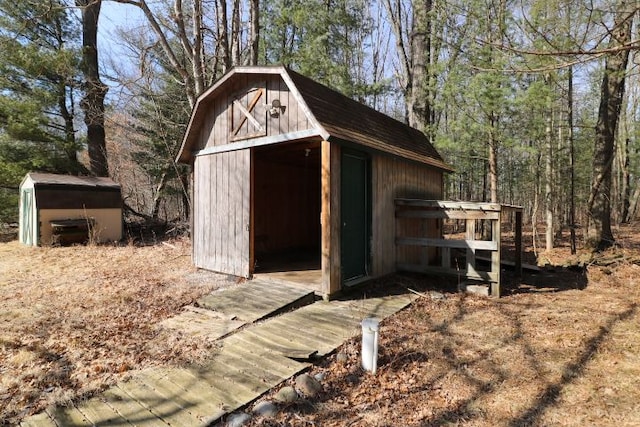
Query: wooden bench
[{"x": 69, "y": 231}]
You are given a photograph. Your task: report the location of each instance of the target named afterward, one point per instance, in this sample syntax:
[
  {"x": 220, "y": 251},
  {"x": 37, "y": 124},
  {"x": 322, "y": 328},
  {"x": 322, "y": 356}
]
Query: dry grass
[
  {"x": 75, "y": 319},
  {"x": 560, "y": 349},
  {"x": 547, "y": 354}
]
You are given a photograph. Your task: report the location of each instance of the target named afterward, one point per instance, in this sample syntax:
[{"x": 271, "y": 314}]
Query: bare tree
[
  {"x": 599, "y": 234},
  {"x": 254, "y": 35},
  {"x": 416, "y": 57},
  {"x": 94, "y": 90}
]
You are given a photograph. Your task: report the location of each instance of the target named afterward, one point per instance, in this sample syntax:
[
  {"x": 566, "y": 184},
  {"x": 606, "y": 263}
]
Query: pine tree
[{"x": 39, "y": 60}]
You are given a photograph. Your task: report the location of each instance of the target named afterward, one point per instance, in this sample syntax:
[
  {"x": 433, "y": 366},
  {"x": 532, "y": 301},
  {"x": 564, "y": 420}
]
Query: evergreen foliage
[{"x": 39, "y": 61}]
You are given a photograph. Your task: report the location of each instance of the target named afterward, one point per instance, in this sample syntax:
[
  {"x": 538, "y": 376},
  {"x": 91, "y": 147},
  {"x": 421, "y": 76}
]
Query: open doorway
[{"x": 287, "y": 204}]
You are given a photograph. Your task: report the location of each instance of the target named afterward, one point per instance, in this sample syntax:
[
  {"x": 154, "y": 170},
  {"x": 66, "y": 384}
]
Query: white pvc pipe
[{"x": 370, "y": 334}]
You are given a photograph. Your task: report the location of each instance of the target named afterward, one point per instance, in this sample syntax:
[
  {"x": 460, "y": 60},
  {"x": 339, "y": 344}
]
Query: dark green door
[{"x": 354, "y": 214}]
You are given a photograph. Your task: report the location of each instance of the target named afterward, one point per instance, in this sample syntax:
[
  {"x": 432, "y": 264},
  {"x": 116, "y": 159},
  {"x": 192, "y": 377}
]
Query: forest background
[{"x": 534, "y": 103}]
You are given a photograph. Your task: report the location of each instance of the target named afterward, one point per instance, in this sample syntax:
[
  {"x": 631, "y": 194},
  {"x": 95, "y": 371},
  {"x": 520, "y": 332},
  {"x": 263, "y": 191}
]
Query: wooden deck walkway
[
  {"x": 248, "y": 363},
  {"x": 226, "y": 310}
]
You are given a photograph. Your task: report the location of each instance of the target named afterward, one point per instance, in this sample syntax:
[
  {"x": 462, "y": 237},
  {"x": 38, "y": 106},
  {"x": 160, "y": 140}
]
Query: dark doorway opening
[{"x": 287, "y": 204}]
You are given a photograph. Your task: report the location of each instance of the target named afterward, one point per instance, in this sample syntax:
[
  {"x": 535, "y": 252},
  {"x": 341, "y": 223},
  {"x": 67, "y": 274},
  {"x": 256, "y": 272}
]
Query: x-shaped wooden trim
[{"x": 247, "y": 113}]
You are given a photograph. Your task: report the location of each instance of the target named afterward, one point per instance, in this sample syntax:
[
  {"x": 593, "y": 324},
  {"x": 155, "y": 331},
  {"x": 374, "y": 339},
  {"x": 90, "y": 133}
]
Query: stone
[
  {"x": 342, "y": 357},
  {"x": 238, "y": 419},
  {"x": 265, "y": 408},
  {"x": 320, "y": 376},
  {"x": 308, "y": 385},
  {"x": 482, "y": 290},
  {"x": 437, "y": 296},
  {"x": 286, "y": 395}
]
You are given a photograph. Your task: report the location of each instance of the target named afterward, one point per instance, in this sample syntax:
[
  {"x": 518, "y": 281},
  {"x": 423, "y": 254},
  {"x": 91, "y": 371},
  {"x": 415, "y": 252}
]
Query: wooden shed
[
  {"x": 288, "y": 173},
  {"x": 68, "y": 209}
]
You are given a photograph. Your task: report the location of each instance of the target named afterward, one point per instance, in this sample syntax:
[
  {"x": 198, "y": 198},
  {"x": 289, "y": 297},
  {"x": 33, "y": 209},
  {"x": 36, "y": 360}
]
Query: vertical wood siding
[
  {"x": 394, "y": 178},
  {"x": 221, "y": 212},
  {"x": 217, "y": 125}
]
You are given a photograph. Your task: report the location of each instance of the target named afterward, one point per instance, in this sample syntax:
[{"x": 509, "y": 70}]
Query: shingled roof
[
  {"x": 337, "y": 116},
  {"x": 50, "y": 179}
]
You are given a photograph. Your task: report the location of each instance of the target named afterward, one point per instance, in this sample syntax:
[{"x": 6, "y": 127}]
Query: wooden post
[
  {"x": 252, "y": 214},
  {"x": 470, "y": 236},
  {"x": 518, "y": 243},
  {"x": 495, "y": 255},
  {"x": 330, "y": 219}
]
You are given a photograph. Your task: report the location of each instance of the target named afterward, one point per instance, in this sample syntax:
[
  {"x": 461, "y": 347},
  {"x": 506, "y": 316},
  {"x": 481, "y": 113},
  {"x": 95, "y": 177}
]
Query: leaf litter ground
[{"x": 560, "y": 348}]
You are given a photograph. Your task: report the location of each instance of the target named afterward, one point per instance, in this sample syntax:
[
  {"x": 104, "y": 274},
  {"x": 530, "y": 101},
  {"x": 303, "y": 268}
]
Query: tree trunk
[
  {"x": 419, "y": 102},
  {"x": 235, "y": 33},
  {"x": 626, "y": 184},
  {"x": 94, "y": 90},
  {"x": 572, "y": 163},
  {"x": 158, "y": 195},
  {"x": 548, "y": 179},
  {"x": 223, "y": 36},
  {"x": 599, "y": 234},
  {"x": 493, "y": 159},
  {"x": 70, "y": 147},
  {"x": 254, "y": 43}
]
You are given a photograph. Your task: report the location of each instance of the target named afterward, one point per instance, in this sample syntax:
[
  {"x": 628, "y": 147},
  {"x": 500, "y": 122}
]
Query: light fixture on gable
[{"x": 276, "y": 108}]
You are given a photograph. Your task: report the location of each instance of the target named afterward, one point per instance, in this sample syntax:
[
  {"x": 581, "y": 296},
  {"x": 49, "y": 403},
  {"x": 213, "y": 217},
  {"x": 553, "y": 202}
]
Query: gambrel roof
[{"x": 334, "y": 116}]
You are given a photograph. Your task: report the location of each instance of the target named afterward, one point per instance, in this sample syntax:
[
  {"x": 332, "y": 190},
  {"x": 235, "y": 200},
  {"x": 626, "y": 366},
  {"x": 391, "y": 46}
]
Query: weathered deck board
[
  {"x": 333, "y": 323},
  {"x": 275, "y": 342},
  {"x": 198, "y": 324},
  {"x": 196, "y": 396},
  {"x": 249, "y": 362},
  {"x": 235, "y": 360},
  {"x": 166, "y": 409},
  {"x": 99, "y": 413},
  {"x": 38, "y": 420},
  {"x": 276, "y": 352},
  {"x": 220, "y": 392},
  {"x": 313, "y": 336},
  {"x": 252, "y": 352},
  {"x": 371, "y": 307},
  {"x": 241, "y": 383},
  {"x": 248, "y": 302},
  {"x": 69, "y": 416},
  {"x": 230, "y": 391},
  {"x": 129, "y": 409}
]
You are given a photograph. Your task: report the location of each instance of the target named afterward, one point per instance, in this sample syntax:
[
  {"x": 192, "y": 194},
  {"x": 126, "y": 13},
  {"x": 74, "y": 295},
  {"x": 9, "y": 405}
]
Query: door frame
[{"x": 366, "y": 157}]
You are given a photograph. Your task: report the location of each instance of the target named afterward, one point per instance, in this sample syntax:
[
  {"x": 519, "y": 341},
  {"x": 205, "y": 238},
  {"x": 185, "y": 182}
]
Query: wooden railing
[{"x": 421, "y": 246}]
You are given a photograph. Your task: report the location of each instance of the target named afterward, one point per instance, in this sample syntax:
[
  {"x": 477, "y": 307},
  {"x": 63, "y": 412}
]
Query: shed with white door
[{"x": 64, "y": 209}]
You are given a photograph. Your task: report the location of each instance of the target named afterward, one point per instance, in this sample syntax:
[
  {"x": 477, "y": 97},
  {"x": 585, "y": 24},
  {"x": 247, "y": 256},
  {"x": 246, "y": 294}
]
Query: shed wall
[
  {"x": 108, "y": 222},
  {"x": 393, "y": 178},
  {"x": 69, "y": 197},
  {"x": 221, "y": 212},
  {"x": 222, "y": 119}
]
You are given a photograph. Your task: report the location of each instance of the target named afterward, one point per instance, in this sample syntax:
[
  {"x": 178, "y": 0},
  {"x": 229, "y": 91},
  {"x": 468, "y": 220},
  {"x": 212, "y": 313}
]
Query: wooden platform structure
[
  {"x": 282, "y": 164},
  {"x": 249, "y": 361},
  {"x": 483, "y": 234}
]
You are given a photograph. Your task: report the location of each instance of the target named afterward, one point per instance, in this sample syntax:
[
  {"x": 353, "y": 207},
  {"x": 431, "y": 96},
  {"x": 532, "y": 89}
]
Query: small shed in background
[
  {"x": 289, "y": 175},
  {"x": 62, "y": 209}
]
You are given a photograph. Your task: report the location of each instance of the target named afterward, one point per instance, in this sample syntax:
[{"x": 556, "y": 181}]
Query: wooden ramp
[
  {"x": 224, "y": 311},
  {"x": 319, "y": 328},
  {"x": 256, "y": 299},
  {"x": 248, "y": 363}
]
